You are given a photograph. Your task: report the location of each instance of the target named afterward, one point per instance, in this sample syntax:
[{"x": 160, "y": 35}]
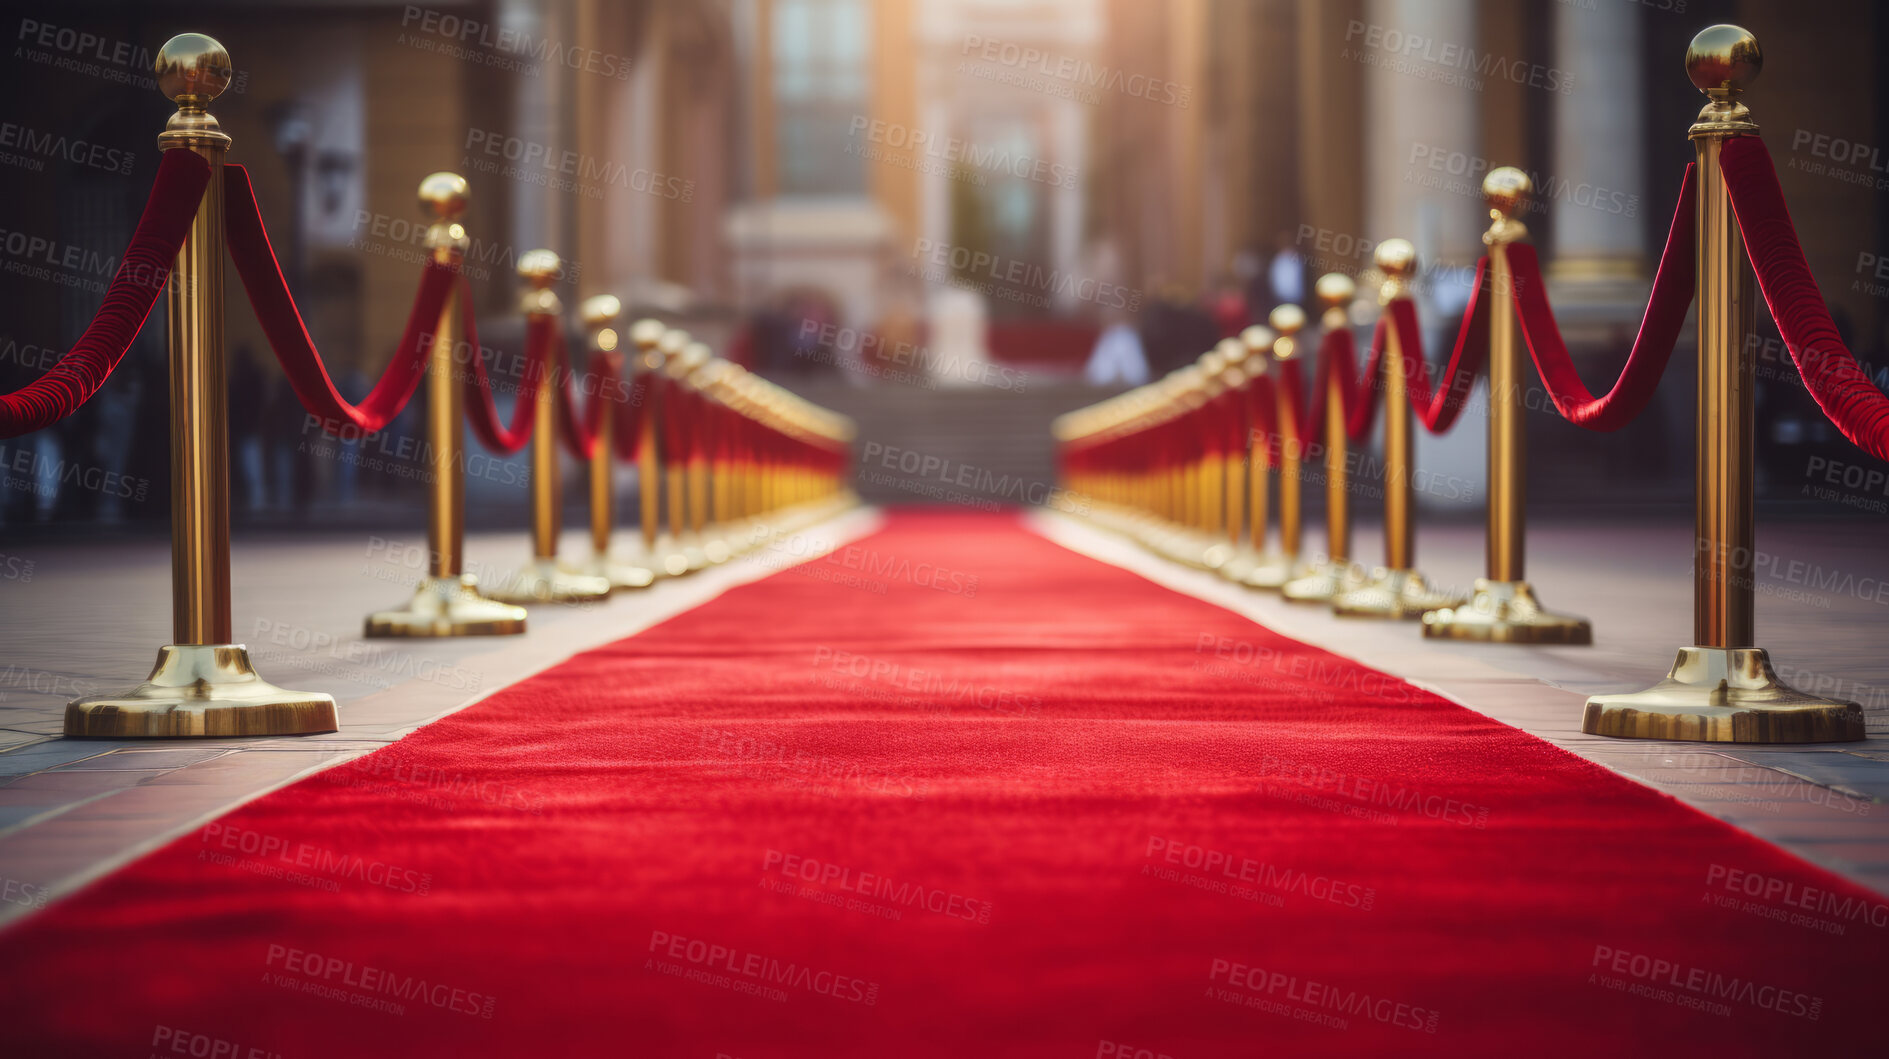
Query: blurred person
[
  {"x": 1118, "y": 358},
  {"x": 1285, "y": 273}
]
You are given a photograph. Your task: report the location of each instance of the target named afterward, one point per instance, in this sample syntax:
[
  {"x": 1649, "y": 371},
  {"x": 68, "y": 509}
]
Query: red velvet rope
[
  {"x": 274, "y": 306},
  {"x": 481, "y": 411},
  {"x": 1438, "y": 408},
  {"x": 1666, "y": 309},
  {"x": 182, "y": 177},
  {"x": 1263, "y": 419},
  {"x": 580, "y": 431},
  {"x": 1338, "y": 366},
  {"x": 628, "y": 425},
  {"x": 1829, "y": 369}
]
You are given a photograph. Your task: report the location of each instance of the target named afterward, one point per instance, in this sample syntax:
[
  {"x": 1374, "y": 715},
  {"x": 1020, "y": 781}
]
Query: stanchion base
[
  {"x": 448, "y": 606},
  {"x": 1723, "y": 695},
  {"x": 1321, "y": 581},
  {"x": 199, "y": 690},
  {"x": 1399, "y": 595},
  {"x": 717, "y": 550},
  {"x": 549, "y": 581},
  {"x": 1505, "y": 612},
  {"x": 1273, "y": 574},
  {"x": 620, "y": 574}
]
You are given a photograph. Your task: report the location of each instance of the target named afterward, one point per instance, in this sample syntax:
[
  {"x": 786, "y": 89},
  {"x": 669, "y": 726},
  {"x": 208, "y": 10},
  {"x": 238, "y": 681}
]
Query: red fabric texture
[
  {"x": 169, "y": 210},
  {"x": 1666, "y": 308},
  {"x": 1829, "y": 370},
  {"x": 541, "y": 333},
  {"x": 999, "y": 743},
  {"x": 1439, "y": 402},
  {"x": 1338, "y": 366},
  {"x": 274, "y": 306},
  {"x": 628, "y": 424},
  {"x": 577, "y": 428}
]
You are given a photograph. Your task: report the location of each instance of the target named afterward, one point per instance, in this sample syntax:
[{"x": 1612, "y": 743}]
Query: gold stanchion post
[
  {"x": 447, "y": 601},
  {"x": 1722, "y": 688},
  {"x": 599, "y": 314},
  {"x": 203, "y": 684},
  {"x": 1503, "y": 608},
  {"x": 1396, "y": 590},
  {"x": 1232, "y": 558},
  {"x": 1280, "y": 565},
  {"x": 714, "y": 549},
  {"x": 545, "y": 579},
  {"x": 647, "y": 336},
  {"x": 1334, "y": 573},
  {"x": 685, "y": 553}
]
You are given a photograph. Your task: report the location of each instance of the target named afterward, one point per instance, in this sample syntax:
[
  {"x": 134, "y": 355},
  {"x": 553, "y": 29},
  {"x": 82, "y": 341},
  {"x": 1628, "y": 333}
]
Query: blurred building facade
[{"x": 809, "y": 183}]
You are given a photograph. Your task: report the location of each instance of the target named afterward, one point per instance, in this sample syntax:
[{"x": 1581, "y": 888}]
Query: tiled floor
[
  {"x": 1818, "y": 615},
  {"x": 71, "y": 810}
]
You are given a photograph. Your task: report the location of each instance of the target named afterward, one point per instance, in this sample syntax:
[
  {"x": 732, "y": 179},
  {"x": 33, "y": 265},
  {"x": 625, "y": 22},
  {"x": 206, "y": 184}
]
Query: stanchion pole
[
  {"x": 447, "y": 601},
  {"x": 679, "y": 357},
  {"x": 203, "y": 684},
  {"x": 1722, "y": 688},
  {"x": 1503, "y": 608},
  {"x": 1231, "y": 558},
  {"x": 714, "y": 549},
  {"x": 600, "y": 314},
  {"x": 544, "y": 579},
  {"x": 1334, "y": 573},
  {"x": 1280, "y": 565},
  {"x": 1396, "y": 590},
  {"x": 647, "y": 336}
]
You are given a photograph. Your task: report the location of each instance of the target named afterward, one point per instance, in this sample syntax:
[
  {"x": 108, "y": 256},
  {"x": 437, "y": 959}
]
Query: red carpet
[{"x": 959, "y": 793}]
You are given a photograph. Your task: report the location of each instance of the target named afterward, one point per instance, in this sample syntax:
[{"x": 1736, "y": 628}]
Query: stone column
[{"x": 1595, "y": 189}]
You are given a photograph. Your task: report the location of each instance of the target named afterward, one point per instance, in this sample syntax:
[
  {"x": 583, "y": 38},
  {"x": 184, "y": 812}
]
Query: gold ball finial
[
  {"x": 1396, "y": 258},
  {"x": 192, "y": 69},
  {"x": 1286, "y": 319},
  {"x": 600, "y": 310},
  {"x": 1506, "y": 190},
  {"x": 673, "y": 341},
  {"x": 1335, "y": 290},
  {"x": 1723, "y": 59},
  {"x": 1258, "y": 338},
  {"x": 540, "y": 268},
  {"x": 446, "y": 194},
  {"x": 646, "y": 333},
  {"x": 1231, "y": 350}
]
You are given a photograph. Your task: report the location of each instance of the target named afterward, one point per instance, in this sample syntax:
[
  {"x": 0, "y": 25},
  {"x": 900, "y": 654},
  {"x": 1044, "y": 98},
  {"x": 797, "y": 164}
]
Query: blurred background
[{"x": 950, "y": 219}]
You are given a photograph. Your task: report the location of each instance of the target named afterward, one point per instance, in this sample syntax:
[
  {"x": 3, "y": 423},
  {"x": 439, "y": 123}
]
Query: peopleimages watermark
[
  {"x": 562, "y": 169},
  {"x": 1788, "y": 901},
  {"x": 1446, "y": 62},
  {"x": 1364, "y": 791},
  {"x": 807, "y": 766},
  {"x": 375, "y": 988},
  {"x": 1010, "y": 279},
  {"x": 83, "y": 52},
  {"x": 959, "y": 151},
  {"x": 32, "y": 471},
  {"x": 931, "y": 686},
  {"x": 712, "y": 963},
  {"x": 925, "y": 468},
  {"x": 173, "y": 1040},
  {"x": 1461, "y": 173},
  {"x": 1844, "y": 160},
  {"x": 1308, "y": 1000},
  {"x": 1671, "y": 982},
  {"x": 1065, "y": 76},
  {"x": 898, "y": 897},
  {"x": 927, "y": 368},
  {"x": 504, "y": 47},
  {"x": 29, "y": 148},
  {"x": 358, "y": 658},
  {"x": 1242, "y": 876},
  {"x": 27, "y": 895},
  {"x": 304, "y": 863}
]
